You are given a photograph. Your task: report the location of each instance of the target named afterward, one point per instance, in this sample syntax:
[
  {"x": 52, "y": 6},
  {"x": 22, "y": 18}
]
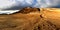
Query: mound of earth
[{"x": 32, "y": 19}]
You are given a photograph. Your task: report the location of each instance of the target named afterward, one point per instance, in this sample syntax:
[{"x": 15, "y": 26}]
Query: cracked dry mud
[{"x": 36, "y": 19}]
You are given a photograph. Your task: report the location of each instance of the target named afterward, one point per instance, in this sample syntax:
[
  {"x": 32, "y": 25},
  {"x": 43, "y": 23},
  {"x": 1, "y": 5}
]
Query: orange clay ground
[{"x": 45, "y": 19}]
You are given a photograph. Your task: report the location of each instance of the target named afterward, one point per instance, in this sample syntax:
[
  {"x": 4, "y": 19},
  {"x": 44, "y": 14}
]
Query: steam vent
[{"x": 32, "y": 19}]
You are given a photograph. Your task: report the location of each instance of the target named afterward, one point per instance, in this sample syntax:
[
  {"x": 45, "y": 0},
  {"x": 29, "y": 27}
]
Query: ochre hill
[{"x": 35, "y": 19}]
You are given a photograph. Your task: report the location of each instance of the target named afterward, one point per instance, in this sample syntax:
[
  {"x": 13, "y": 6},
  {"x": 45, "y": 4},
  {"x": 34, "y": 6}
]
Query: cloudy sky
[{"x": 16, "y": 4}]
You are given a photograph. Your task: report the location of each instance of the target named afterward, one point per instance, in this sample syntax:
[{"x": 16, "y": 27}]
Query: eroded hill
[{"x": 36, "y": 19}]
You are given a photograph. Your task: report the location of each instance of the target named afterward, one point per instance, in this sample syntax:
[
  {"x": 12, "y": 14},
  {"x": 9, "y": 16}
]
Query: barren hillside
[{"x": 43, "y": 19}]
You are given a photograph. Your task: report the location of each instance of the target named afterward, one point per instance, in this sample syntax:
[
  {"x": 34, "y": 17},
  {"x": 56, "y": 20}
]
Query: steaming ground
[{"x": 8, "y": 11}]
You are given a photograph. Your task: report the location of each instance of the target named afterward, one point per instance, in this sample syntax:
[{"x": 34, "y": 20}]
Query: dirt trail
[{"x": 53, "y": 15}]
